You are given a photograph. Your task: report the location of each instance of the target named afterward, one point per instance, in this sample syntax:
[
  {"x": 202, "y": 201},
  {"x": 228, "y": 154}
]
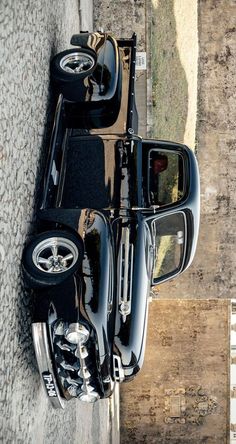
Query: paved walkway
[
  {"x": 31, "y": 33},
  {"x": 86, "y": 15}
]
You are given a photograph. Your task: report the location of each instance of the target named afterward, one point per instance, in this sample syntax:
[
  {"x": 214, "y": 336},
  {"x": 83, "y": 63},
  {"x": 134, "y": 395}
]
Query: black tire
[
  {"x": 42, "y": 267},
  {"x": 64, "y": 76}
]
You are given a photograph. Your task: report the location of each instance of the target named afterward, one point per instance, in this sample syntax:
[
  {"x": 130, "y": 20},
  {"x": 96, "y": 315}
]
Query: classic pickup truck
[{"x": 118, "y": 215}]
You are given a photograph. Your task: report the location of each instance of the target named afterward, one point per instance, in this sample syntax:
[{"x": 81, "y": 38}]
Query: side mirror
[{"x": 180, "y": 237}]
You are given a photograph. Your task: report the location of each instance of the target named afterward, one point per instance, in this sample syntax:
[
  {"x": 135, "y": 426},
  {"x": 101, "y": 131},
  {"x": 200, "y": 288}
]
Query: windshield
[
  {"x": 169, "y": 234},
  {"x": 165, "y": 177}
]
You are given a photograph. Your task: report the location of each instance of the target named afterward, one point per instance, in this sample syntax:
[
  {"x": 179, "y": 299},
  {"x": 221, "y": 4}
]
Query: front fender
[{"x": 130, "y": 328}]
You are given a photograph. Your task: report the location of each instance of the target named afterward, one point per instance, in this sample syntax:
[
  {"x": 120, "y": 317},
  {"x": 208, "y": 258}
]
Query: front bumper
[
  {"x": 45, "y": 364},
  {"x": 68, "y": 370}
]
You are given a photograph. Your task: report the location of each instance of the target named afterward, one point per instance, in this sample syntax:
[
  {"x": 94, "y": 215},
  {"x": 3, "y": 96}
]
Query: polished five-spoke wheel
[
  {"x": 69, "y": 70},
  {"x": 51, "y": 257},
  {"x": 77, "y": 62},
  {"x": 55, "y": 255}
]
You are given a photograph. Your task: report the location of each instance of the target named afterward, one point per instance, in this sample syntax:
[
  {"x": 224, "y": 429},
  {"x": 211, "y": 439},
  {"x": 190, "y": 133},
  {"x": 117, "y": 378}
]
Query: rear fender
[
  {"x": 93, "y": 41},
  {"x": 101, "y": 104}
]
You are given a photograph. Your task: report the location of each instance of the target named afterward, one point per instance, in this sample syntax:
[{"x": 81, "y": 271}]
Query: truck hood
[{"x": 97, "y": 276}]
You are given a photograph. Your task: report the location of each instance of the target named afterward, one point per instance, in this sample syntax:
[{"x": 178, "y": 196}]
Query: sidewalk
[
  {"x": 114, "y": 416},
  {"x": 86, "y": 15}
]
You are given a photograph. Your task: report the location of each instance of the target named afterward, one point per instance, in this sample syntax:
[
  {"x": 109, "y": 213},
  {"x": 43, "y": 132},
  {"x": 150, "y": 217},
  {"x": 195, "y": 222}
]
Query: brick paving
[{"x": 31, "y": 32}]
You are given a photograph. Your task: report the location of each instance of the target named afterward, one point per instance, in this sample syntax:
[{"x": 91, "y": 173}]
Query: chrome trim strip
[
  {"x": 44, "y": 361},
  {"x": 131, "y": 264},
  {"x": 125, "y": 269},
  {"x": 119, "y": 374}
]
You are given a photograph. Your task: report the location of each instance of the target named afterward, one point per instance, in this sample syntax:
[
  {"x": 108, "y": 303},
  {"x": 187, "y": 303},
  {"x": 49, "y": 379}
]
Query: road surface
[{"x": 31, "y": 32}]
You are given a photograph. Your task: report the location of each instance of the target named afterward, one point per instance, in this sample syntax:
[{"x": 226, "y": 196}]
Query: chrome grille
[
  {"x": 74, "y": 364},
  {"x": 125, "y": 270},
  {"x": 119, "y": 374}
]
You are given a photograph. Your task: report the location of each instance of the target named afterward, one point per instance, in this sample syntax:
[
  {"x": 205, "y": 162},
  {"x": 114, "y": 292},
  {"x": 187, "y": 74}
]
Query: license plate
[{"x": 49, "y": 384}]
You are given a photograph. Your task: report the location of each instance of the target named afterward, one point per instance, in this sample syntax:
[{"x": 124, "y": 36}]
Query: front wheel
[{"x": 51, "y": 257}]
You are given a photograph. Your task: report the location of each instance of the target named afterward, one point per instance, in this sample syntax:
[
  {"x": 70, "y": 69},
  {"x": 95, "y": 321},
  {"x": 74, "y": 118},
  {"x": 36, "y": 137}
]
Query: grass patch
[{"x": 170, "y": 88}]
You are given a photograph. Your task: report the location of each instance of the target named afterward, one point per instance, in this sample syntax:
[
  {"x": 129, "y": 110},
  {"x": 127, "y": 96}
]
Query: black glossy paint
[
  {"x": 99, "y": 101},
  {"x": 101, "y": 195},
  {"x": 101, "y": 231}
]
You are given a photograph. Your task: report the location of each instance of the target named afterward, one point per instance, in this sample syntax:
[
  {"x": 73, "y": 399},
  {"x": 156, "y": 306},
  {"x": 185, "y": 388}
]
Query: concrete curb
[
  {"x": 114, "y": 416},
  {"x": 86, "y": 15}
]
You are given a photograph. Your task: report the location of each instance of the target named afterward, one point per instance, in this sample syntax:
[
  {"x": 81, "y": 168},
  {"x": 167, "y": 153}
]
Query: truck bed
[{"x": 86, "y": 185}]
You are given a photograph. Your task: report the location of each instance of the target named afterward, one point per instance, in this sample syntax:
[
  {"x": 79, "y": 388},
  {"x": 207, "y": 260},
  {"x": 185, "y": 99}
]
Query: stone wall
[
  {"x": 122, "y": 17},
  {"x": 180, "y": 396},
  {"x": 212, "y": 274}
]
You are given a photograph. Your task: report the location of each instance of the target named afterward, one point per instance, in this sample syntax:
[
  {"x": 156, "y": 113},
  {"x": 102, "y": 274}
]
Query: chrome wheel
[
  {"x": 77, "y": 63},
  {"x": 55, "y": 255}
]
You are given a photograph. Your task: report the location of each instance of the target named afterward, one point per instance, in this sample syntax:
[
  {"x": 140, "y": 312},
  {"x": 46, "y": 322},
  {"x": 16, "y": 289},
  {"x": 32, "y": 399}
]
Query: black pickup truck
[{"x": 118, "y": 214}]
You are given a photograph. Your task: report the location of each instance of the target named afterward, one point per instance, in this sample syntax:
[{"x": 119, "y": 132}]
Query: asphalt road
[{"x": 31, "y": 32}]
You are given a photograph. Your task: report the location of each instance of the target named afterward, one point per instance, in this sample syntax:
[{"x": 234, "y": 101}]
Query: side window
[
  {"x": 165, "y": 177},
  {"x": 169, "y": 235}
]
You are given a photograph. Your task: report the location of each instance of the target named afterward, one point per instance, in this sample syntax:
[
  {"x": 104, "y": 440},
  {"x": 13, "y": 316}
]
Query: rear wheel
[
  {"x": 69, "y": 68},
  {"x": 51, "y": 257}
]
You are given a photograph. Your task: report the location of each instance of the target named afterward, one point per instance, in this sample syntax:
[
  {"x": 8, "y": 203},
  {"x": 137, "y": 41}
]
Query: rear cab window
[{"x": 165, "y": 177}]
